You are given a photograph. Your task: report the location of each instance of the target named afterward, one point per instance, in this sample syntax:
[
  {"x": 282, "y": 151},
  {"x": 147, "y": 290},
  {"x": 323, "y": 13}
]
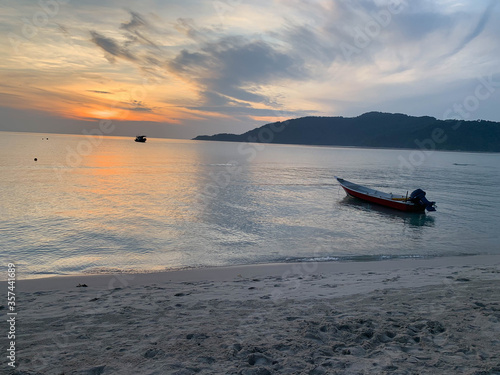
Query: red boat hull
[{"x": 401, "y": 206}]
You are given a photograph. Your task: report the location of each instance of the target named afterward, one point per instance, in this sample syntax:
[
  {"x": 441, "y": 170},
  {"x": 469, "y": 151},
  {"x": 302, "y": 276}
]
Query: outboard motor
[{"x": 418, "y": 197}]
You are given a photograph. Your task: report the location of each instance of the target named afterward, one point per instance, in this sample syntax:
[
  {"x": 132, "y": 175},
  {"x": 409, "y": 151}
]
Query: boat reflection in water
[{"x": 412, "y": 219}]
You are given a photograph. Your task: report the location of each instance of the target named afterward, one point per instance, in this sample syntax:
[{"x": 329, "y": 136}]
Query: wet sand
[{"x": 434, "y": 316}]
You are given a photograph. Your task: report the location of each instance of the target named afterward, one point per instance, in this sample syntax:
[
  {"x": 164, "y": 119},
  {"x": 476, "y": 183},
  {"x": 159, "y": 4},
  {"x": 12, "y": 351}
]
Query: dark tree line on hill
[{"x": 375, "y": 129}]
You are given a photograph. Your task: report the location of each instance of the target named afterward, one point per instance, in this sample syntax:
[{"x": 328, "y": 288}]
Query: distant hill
[{"x": 376, "y": 129}]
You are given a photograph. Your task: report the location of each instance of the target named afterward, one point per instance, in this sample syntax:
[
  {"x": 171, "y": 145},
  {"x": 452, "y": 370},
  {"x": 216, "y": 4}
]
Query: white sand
[{"x": 436, "y": 316}]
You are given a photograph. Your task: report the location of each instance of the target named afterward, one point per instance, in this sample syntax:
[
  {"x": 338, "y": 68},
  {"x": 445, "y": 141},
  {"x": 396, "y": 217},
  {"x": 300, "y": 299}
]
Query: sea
[{"x": 80, "y": 204}]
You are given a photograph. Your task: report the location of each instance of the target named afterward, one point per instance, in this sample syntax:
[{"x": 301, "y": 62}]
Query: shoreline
[
  {"x": 425, "y": 316},
  {"x": 229, "y": 273}
]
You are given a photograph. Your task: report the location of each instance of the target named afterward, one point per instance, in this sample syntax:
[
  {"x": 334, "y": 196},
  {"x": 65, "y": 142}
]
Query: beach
[{"x": 410, "y": 316}]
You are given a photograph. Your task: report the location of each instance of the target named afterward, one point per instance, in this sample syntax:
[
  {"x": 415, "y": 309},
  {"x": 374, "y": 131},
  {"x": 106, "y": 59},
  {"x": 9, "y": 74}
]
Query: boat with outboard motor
[{"x": 416, "y": 202}]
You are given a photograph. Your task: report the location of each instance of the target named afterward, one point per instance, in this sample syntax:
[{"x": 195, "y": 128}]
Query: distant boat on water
[
  {"x": 141, "y": 138},
  {"x": 416, "y": 202}
]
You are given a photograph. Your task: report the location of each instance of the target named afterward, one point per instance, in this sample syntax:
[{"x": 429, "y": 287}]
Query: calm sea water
[{"x": 100, "y": 205}]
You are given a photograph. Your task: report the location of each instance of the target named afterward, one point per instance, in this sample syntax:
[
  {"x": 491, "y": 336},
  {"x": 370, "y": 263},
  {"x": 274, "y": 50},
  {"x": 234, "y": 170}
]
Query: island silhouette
[{"x": 375, "y": 129}]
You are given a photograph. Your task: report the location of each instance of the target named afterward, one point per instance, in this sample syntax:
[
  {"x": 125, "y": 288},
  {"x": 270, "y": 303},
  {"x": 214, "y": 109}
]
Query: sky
[{"x": 181, "y": 68}]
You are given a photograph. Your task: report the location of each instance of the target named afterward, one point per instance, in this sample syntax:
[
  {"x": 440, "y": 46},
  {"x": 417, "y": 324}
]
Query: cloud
[
  {"x": 136, "y": 23},
  {"x": 100, "y": 92},
  {"x": 309, "y": 44},
  {"x": 250, "y": 111},
  {"x": 415, "y": 26},
  {"x": 112, "y": 48},
  {"x": 226, "y": 69},
  {"x": 135, "y": 39},
  {"x": 254, "y": 61},
  {"x": 478, "y": 29},
  {"x": 63, "y": 29},
  {"x": 189, "y": 62},
  {"x": 213, "y": 99},
  {"x": 235, "y": 66},
  {"x": 187, "y": 26},
  {"x": 414, "y": 37},
  {"x": 324, "y": 30},
  {"x": 138, "y": 106}
]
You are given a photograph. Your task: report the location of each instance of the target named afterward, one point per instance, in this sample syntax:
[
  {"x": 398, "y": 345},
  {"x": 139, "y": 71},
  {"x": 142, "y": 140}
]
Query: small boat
[
  {"x": 140, "y": 138},
  {"x": 416, "y": 202}
]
